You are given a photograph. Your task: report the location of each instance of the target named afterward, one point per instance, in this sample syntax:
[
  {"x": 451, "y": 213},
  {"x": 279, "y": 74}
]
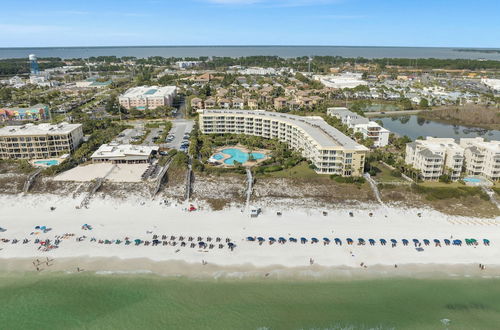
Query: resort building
[
  {"x": 369, "y": 129},
  {"x": 148, "y": 97},
  {"x": 39, "y": 141},
  {"x": 328, "y": 149},
  {"x": 345, "y": 80},
  {"x": 36, "y": 112},
  {"x": 481, "y": 157},
  {"x": 435, "y": 157},
  {"x": 123, "y": 154}
]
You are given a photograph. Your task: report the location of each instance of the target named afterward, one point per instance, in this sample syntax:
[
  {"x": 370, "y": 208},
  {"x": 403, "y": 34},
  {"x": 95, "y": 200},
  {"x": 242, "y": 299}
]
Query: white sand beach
[{"x": 113, "y": 219}]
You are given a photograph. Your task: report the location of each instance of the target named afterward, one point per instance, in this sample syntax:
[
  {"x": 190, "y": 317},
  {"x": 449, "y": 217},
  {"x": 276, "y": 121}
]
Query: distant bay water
[{"x": 239, "y": 51}]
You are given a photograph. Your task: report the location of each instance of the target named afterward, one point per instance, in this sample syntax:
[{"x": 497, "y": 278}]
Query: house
[
  {"x": 280, "y": 102},
  {"x": 238, "y": 103},
  {"x": 197, "y": 103},
  {"x": 210, "y": 103},
  {"x": 225, "y": 103},
  {"x": 253, "y": 103}
]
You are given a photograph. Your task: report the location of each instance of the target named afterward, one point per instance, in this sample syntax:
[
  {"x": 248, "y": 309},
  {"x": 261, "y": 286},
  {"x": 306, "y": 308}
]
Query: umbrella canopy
[
  {"x": 360, "y": 240},
  {"x": 447, "y": 241},
  {"x": 230, "y": 244},
  {"x": 201, "y": 243},
  {"x": 415, "y": 240},
  {"x": 138, "y": 241},
  {"x": 251, "y": 239},
  {"x": 260, "y": 239},
  {"x": 303, "y": 239},
  {"x": 371, "y": 240},
  {"x": 314, "y": 239},
  {"x": 487, "y": 241},
  {"x": 292, "y": 239},
  {"x": 436, "y": 241},
  {"x": 383, "y": 241},
  {"x": 349, "y": 240},
  {"x": 405, "y": 240},
  {"x": 272, "y": 239},
  {"x": 282, "y": 239},
  {"x": 426, "y": 241},
  {"x": 326, "y": 239},
  {"x": 337, "y": 239},
  {"x": 393, "y": 241}
]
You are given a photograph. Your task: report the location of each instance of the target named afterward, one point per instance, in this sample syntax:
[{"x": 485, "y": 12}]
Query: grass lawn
[
  {"x": 300, "y": 171},
  {"x": 437, "y": 184},
  {"x": 385, "y": 175}
]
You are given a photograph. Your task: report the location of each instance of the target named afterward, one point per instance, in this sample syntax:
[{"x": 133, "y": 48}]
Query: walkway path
[{"x": 249, "y": 187}]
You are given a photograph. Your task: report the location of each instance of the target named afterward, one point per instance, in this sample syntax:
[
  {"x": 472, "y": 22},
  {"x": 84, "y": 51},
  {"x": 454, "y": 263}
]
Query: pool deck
[
  {"x": 33, "y": 162},
  {"x": 242, "y": 149}
]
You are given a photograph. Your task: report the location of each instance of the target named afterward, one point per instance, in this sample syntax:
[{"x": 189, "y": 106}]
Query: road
[{"x": 179, "y": 128}]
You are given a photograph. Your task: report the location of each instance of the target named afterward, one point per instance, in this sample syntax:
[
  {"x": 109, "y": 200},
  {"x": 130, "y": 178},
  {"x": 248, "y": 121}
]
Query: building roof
[
  {"x": 41, "y": 129},
  {"x": 149, "y": 92},
  {"x": 123, "y": 151},
  {"x": 324, "y": 135}
]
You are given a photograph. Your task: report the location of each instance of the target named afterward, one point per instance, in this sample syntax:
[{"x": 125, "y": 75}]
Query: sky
[{"x": 413, "y": 23}]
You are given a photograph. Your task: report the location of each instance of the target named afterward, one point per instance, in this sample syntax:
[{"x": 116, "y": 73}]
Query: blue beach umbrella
[
  {"x": 260, "y": 239},
  {"x": 293, "y": 239},
  {"x": 303, "y": 239},
  {"x": 251, "y": 239},
  {"x": 272, "y": 239},
  {"x": 326, "y": 239},
  {"x": 314, "y": 240}
]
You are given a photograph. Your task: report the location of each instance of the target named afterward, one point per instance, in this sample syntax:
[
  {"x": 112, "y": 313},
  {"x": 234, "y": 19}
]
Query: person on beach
[{"x": 311, "y": 261}]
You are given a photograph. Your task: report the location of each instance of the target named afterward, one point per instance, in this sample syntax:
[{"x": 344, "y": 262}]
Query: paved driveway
[{"x": 179, "y": 128}]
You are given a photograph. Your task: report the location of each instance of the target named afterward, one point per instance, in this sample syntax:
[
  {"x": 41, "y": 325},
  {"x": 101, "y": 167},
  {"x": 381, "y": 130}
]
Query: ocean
[
  {"x": 90, "y": 301},
  {"x": 239, "y": 51}
]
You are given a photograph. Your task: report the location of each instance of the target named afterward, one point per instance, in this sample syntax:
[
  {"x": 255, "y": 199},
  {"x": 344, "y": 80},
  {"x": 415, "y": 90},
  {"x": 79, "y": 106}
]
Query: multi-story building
[
  {"x": 35, "y": 112},
  {"x": 435, "y": 157},
  {"x": 369, "y": 129},
  {"x": 481, "y": 157},
  {"x": 39, "y": 141},
  {"x": 328, "y": 149},
  {"x": 148, "y": 97}
]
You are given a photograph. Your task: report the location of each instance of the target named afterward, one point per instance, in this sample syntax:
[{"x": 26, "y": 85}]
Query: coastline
[{"x": 175, "y": 269}]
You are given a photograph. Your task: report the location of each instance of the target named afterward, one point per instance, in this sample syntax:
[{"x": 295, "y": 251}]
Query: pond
[{"x": 413, "y": 127}]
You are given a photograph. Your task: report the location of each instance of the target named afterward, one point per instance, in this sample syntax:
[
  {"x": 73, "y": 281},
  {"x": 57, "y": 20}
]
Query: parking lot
[{"x": 180, "y": 129}]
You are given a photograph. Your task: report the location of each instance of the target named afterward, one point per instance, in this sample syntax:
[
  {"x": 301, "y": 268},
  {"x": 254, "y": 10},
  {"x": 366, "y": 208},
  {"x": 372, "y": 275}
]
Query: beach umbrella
[
  {"x": 251, "y": 239},
  {"x": 326, "y": 239},
  {"x": 393, "y": 241},
  {"x": 473, "y": 240},
  {"x": 436, "y": 241},
  {"x": 37, "y": 227},
  {"x": 457, "y": 242},
  {"x": 447, "y": 241},
  {"x": 272, "y": 239},
  {"x": 293, "y": 239},
  {"x": 426, "y": 241},
  {"x": 371, "y": 240},
  {"x": 337, "y": 240},
  {"x": 230, "y": 245},
  {"x": 282, "y": 239},
  {"x": 314, "y": 240},
  {"x": 43, "y": 227},
  {"x": 201, "y": 243},
  {"x": 486, "y": 241},
  {"x": 303, "y": 239},
  {"x": 137, "y": 241},
  {"x": 349, "y": 240},
  {"x": 405, "y": 241},
  {"x": 383, "y": 241},
  {"x": 260, "y": 239},
  {"x": 361, "y": 240},
  {"x": 415, "y": 240}
]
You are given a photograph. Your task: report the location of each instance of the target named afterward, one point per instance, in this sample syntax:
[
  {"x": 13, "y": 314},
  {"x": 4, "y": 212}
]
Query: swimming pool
[
  {"x": 47, "y": 163},
  {"x": 473, "y": 180},
  {"x": 218, "y": 156},
  {"x": 239, "y": 156}
]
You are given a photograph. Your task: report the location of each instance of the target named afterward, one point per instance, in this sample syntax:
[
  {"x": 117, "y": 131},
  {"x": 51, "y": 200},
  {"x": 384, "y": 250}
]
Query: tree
[{"x": 424, "y": 104}]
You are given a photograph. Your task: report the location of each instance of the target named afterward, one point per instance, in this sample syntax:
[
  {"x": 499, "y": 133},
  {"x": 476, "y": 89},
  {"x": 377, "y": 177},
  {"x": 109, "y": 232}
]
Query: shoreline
[{"x": 175, "y": 269}]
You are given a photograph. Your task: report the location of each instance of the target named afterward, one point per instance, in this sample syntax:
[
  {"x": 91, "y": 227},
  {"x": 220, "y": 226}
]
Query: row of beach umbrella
[{"x": 371, "y": 241}]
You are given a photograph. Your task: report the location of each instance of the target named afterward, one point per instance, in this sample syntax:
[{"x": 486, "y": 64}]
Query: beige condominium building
[
  {"x": 148, "y": 97},
  {"x": 41, "y": 141},
  {"x": 481, "y": 157},
  {"x": 327, "y": 148},
  {"x": 435, "y": 157}
]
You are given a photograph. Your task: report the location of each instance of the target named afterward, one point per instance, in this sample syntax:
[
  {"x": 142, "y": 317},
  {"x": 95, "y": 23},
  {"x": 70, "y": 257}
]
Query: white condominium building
[
  {"x": 39, "y": 141},
  {"x": 327, "y": 148},
  {"x": 435, "y": 157},
  {"x": 369, "y": 129},
  {"x": 148, "y": 97},
  {"x": 481, "y": 157}
]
